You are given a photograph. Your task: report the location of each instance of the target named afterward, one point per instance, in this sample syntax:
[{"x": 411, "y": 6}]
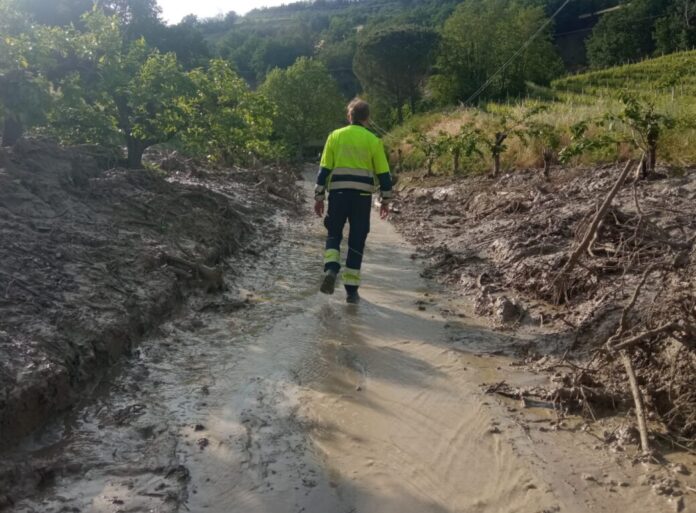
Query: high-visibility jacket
[{"x": 354, "y": 159}]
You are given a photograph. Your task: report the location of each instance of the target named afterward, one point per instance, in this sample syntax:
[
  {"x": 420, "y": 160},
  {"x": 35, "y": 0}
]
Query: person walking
[{"x": 353, "y": 167}]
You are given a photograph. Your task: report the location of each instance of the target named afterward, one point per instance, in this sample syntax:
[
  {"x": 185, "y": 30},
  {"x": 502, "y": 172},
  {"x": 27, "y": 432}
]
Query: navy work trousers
[{"x": 354, "y": 207}]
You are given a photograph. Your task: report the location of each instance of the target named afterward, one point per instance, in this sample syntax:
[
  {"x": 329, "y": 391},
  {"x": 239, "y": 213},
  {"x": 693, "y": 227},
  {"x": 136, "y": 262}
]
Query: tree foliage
[
  {"x": 676, "y": 30},
  {"x": 226, "y": 122},
  {"x": 28, "y": 53},
  {"x": 479, "y": 38},
  {"x": 393, "y": 63},
  {"x": 308, "y": 103},
  {"x": 624, "y": 35},
  {"x": 127, "y": 91}
]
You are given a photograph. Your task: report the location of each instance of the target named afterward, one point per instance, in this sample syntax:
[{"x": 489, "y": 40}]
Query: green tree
[
  {"x": 480, "y": 37},
  {"x": 55, "y": 12},
  {"x": 624, "y": 35},
  {"x": 127, "y": 91},
  {"x": 676, "y": 31},
  {"x": 185, "y": 40},
  {"x": 338, "y": 58},
  {"x": 393, "y": 63},
  {"x": 27, "y": 54},
  {"x": 131, "y": 12},
  {"x": 279, "y": 52},
  {"x": 307, "y": 101},
  {"x": 226, "y": 122}
]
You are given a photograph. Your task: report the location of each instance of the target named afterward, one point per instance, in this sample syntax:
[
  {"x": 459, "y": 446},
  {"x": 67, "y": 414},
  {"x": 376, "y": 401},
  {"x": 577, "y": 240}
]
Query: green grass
[{"x": 669, "y": 82}]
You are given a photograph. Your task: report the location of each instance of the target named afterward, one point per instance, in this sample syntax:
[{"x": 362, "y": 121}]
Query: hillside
[
  {"x": 592, "y": 98},
  {"x": 674, "y": 73},
  {"x": 329, "y": 30}
]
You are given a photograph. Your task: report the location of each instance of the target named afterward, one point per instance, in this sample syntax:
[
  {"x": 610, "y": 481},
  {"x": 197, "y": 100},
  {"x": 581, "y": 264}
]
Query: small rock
[
  {"x": 679, "y": 505},
  {"x": 589, "y": 477},
  {"x": 680, "y": 469},
  {"x": 494, "y": 430},
  {"x": 199, "y": 427},
  {"x": 505, "y": 310},
  {"x": 203, "y": 443}
]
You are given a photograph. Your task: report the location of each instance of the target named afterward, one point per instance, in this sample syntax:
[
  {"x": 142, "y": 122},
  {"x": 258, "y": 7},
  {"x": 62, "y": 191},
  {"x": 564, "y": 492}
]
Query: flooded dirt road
[{"x": 301, "y": 403}]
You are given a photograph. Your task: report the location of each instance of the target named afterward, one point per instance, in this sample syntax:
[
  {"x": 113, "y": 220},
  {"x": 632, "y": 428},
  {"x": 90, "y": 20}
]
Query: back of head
[{"x": 358, "y": 111}]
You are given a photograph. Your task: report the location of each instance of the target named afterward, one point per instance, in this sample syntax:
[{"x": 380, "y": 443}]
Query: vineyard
[
  {"x": 580, "y": 120},
  {"x": 673, "y": 74}
]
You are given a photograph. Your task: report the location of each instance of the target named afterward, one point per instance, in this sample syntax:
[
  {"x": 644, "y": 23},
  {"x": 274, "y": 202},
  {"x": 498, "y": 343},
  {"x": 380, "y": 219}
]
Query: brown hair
[{"x": 358, "y": 111}]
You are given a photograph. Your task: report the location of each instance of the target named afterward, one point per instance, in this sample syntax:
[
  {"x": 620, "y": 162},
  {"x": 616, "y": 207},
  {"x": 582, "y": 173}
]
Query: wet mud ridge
[{"x": 92, "y": 259}]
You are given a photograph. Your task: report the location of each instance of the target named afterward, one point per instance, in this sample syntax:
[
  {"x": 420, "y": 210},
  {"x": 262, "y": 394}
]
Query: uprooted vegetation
[
  {"x": 608, "y": 279},
  {"x": 93, "y": 259}
]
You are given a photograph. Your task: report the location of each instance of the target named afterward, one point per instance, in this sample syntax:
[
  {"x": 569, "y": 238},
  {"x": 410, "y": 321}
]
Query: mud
[
  {"x": 303, "y": 403},
  {"x": 85, "y": 274},
  {"x": 502, "y": 242}
]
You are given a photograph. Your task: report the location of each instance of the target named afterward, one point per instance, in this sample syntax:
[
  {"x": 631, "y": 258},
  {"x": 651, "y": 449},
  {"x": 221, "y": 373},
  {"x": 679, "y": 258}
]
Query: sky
[{"x": 174, "y": 10}]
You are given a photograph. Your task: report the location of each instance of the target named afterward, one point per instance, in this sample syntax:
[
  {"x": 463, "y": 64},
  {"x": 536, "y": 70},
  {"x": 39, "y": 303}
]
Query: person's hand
[
  {"x": 319, "y": 207},
  {"x": 384, "y": 210}
]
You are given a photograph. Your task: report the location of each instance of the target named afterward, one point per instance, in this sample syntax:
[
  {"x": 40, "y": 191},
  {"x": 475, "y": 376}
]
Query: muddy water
[{"x": 302, "y": 403}]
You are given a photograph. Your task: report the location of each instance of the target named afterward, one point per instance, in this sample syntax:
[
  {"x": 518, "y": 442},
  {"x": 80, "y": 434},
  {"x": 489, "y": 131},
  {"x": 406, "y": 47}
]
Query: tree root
[{"x": 211, "y": 278}]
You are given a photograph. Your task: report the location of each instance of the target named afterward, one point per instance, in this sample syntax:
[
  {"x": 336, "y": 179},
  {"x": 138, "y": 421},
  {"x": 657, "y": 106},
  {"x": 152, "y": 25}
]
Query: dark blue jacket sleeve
[
  {"x": 385, "y": 185},
  {"x": 322, "y": 179}
]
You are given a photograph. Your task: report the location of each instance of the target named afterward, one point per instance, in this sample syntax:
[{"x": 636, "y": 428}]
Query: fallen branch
[
  {"x": 628, "y": 364},
  {"x": 645, "y": 335},
  {"x": 590, "y": 233},
  {"x": 638, "y": 401}
]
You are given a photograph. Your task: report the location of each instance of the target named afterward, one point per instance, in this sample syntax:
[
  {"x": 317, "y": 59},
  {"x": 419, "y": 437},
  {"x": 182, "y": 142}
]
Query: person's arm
[
  {"x": 322, "y": 180},
  {"x": 381, "y": 166},
  {"x": 325, "y": 169}
]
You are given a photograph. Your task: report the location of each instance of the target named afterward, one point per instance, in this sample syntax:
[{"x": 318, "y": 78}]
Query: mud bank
[
  {"x": 92, "y": 259},
  {"x": 502, "y": 244}
]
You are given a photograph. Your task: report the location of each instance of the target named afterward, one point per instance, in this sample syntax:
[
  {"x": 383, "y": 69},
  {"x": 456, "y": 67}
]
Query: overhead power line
[{"x": 507, "y": 63}]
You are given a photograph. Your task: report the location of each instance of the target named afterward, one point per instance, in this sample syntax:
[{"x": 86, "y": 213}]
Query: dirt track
[{"x": 302, "y": 403}]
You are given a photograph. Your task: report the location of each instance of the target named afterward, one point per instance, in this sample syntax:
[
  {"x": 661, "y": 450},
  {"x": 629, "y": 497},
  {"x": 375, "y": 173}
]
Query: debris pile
[{"x": 599, "y": 262}]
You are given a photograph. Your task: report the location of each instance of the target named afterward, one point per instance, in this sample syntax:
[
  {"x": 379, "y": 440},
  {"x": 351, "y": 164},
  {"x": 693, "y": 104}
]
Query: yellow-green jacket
[{"x": 354, "y": 159}]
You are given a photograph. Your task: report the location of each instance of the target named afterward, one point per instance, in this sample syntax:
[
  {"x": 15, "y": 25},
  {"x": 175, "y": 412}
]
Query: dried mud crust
[
  {"x": 504, "y": 242},
  {"x": 92, "y": 259}
]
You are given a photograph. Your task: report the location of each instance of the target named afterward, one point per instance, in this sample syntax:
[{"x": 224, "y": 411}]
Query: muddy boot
[
  {"x": 352, "y": 297},
  {"x": 328, "y": 284}
]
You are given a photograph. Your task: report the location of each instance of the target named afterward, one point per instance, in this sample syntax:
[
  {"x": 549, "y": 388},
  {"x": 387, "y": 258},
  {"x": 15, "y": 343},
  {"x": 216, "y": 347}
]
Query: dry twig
[{"x": 559, "y": 282}]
